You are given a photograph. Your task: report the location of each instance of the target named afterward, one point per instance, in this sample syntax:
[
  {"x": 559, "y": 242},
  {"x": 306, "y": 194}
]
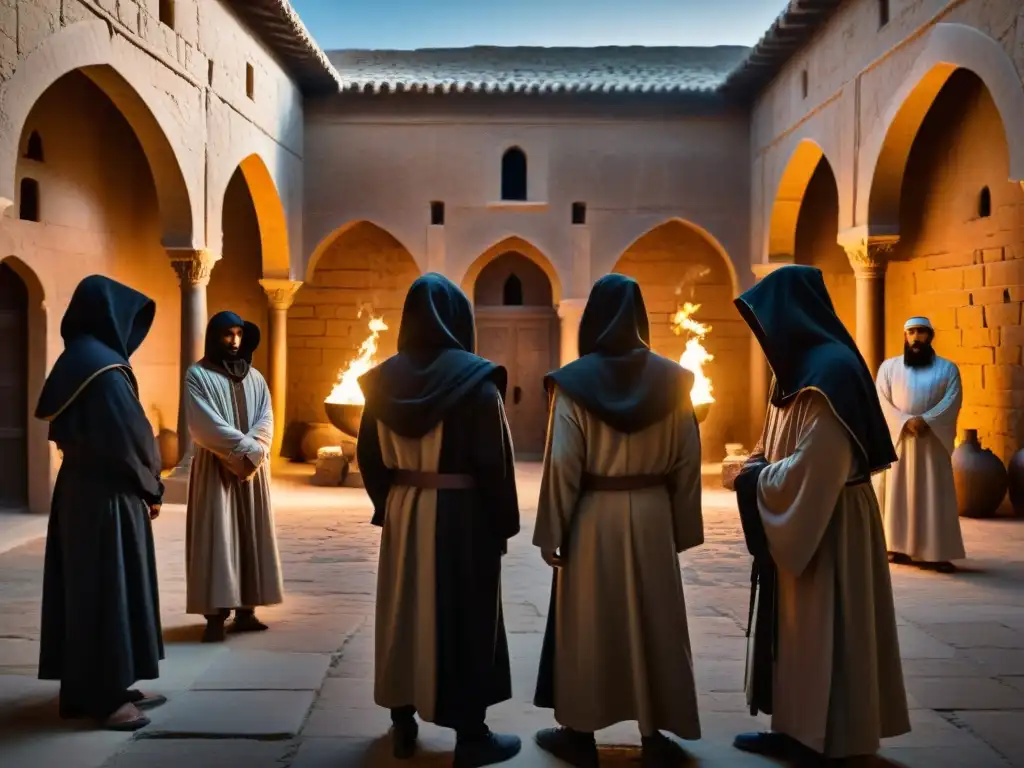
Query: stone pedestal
[{"x": 336, "y": 466}]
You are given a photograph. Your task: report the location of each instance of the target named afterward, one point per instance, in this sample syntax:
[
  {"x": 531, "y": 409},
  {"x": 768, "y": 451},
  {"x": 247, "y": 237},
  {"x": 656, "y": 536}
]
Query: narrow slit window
[
  {"x": 34, "y": 148},
  {"x": 579, "y": 213},
  {"x": 437, "y": 213},
  {"x": 28, "y": 200},
  {"x": 167, "y": 13},
  {"x": 513, "y": 174},
  {"x": 883, "y": 12},
  {"x": 804, "y": 84},
  {"x": 250, "y": 81},
  {"x": 985, "y": 203},
  {"x": 512, "y": 292}
]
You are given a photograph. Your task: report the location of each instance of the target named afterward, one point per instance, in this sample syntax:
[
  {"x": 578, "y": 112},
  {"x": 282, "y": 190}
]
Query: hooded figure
[
  {"x": 101, "y": 614},
  {"x": 231, "y": 544},
  {"x": 620, "y": 499},
  {"x": 436, "y": 459},
  {"x": 921, "y": 397},
  {"x": 825, "y": 631}
]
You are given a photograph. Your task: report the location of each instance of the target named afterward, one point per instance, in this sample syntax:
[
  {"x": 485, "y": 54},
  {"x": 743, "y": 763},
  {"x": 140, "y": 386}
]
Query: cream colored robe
[
  {"x": 838, "y": 683},
  {"x": 916, "y": 495},
  {"x": 230, "y": 543},
  {"x": 622, "y": 649}
]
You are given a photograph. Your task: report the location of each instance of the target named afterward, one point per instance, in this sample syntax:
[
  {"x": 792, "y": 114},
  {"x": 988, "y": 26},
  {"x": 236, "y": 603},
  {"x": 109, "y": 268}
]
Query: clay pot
[
  {"x": 735, "y": 458},
  {"x": 1016, "y": 482},
  {"x": 979, "y": 476},
  {"x": 167, "y": 442}
]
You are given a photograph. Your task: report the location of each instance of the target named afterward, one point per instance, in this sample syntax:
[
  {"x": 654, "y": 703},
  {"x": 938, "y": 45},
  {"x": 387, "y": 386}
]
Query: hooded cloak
[
  {"x": 216, "y": 355},
  {"x": 435, "y": 368},
  {"x": 617, "y": 377},
  {"x": 807, "y": 346},
  {"x": 104, "y": 324}
]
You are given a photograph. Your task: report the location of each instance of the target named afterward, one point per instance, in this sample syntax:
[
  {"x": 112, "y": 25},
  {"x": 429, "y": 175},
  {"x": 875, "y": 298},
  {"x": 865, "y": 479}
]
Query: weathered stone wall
[
  {"x": 489, "y": 287},
  {"x": 668, "y": 263},
  {"x": 963, "y": 270},
  {"x": 363, "y": 269}
]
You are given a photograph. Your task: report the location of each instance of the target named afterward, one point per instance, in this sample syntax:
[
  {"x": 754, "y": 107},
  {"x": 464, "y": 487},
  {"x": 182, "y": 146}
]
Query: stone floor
[{"x": 300, "y": 695}]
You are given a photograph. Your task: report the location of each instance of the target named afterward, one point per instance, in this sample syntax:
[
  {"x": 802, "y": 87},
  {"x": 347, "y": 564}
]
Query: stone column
[
  {"x": 193, "y": 268},
  {"x": 868, "y": 255},
  {"x": 280, "y": 294},
  {"x": 569, "y": 312}
]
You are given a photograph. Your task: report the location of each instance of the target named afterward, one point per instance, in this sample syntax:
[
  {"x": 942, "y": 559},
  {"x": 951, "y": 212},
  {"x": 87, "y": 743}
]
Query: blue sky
[{"x": 408, "y": 24}]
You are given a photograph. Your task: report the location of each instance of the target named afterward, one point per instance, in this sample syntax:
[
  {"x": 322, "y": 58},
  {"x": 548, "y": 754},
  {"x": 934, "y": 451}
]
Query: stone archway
[
  {"x": 517, "y": 327},
  {"x": 359, "y": 268},
  {"x": 25, "y": 470},
  {"x": 676, "y": 263}
]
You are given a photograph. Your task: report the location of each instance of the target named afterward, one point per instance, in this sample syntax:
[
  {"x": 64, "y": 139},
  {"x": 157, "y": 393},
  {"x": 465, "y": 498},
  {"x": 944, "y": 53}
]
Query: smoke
[{"x": 687, "y": 287}]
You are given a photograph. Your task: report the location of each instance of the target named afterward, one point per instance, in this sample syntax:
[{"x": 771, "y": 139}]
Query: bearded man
[
  {"x": 231, "y": 552},
  {"x": 921, "y": 397}
]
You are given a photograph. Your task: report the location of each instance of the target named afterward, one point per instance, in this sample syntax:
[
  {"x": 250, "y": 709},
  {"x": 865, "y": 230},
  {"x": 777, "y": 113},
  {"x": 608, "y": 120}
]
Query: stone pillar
[
  {"x": 868, "y": 255},
  {"x": 280, "y": 294},
  {"x": 569, "y": 312},
  {"x": 193, "y": 268},
  {"x": 436, "y": 257}
]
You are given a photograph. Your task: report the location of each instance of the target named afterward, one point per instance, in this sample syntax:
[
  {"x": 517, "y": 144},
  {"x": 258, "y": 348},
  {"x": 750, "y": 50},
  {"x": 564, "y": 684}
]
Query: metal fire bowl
[
  {"x": 700, "y": 411},
  {"x": 345, "y": 416}
]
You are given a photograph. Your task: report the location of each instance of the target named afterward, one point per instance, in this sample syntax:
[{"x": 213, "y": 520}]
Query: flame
[
  {"x": 695, "y": 355},
  {"x": 347, "y": 389}
]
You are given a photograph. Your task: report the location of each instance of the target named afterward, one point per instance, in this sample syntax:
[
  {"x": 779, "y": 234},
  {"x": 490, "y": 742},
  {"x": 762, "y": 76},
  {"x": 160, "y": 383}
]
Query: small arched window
[
  {"x": 28, "y": 200},
  {"x": 512, "y": 292},
  {"x": 804, "y": 84},
  {"x": 513, "y": 174},
  {"x": 985, "y": 203},
  {"x": 883, "y": 12},
  {"x": 34, "y": 148},
  {"x": 167, "y": 13}
]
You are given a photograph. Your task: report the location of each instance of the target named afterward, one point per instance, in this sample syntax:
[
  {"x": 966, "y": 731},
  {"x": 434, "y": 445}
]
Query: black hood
[
  {"x": 104, "y": 324},
  {"x": 807, "y": 347},
  {"x": 412, "y": 391},
  {"x": 216, "y": 356},
  {"x": 617, "y": 377}
]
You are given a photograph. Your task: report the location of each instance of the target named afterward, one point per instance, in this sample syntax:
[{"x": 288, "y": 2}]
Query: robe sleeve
[
  {"x": 561, "y": 475},
  {"x": 112, "y": 427},
  {"x": 942, "y": 417},
  {"x": 685, "y": 486},
  {"x": 797, "y": 495},
  {"x": 262, "y": 430},
  {"x": 209, "y": 430},
  {"x": 494, "y": 462},
  {"x": 894, "y": 417},
  {"x": 376, "y": 476}
]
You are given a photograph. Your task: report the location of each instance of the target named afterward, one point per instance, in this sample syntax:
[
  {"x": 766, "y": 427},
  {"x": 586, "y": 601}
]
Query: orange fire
[
  {"x": 694, "y": 357},
  {"x": 347, "y": 391}
]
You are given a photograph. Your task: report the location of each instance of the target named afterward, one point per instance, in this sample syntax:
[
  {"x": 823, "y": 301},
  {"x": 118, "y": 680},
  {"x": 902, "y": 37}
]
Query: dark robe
[
  {"x": 621, "y": 381},
  {"x": 435, "y": 378},
  {"x": 101, "y": 615}
]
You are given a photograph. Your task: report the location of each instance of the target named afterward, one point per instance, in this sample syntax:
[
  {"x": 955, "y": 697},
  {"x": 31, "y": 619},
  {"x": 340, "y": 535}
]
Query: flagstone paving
[{"x": 300, "y": 695}]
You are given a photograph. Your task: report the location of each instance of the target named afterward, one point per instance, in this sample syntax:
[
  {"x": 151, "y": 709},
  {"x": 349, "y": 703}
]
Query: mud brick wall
[{"x": 365, "y": 268}]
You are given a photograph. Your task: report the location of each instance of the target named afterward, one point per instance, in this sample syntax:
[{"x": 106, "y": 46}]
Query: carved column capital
[
  {"x": 868, "y": 253},
  {"x": 193, "y": 265},
  {"x": 761, "y": 271},
  {"x": 280, "y": 291},
  {"x": 571, "y": 308}
]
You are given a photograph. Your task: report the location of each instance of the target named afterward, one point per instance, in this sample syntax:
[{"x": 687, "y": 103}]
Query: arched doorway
[
  {"x": 234, "y": 282},
  {"x": 14, "y": 375},
  {"x": 676, "y": 263},
  {"x": 957, "y": 257},
  {"x": 517, "y": 328},
  {"x": 358, "y": 271}
]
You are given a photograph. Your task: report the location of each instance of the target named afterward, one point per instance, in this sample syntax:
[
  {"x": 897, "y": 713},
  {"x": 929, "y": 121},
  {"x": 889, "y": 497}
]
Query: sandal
[
  {"x": 126, "y": 725},
  {"x": 146, "y": 701}
]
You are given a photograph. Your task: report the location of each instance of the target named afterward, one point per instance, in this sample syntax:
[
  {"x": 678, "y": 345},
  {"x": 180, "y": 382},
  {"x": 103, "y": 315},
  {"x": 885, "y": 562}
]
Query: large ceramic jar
[
  {"x": 1016, "y": 478},
  {"x": 979, "y": 476}
]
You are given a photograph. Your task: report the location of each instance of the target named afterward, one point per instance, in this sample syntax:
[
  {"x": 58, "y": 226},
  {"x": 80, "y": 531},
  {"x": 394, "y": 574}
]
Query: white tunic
[{"x": 916, "y": 495}]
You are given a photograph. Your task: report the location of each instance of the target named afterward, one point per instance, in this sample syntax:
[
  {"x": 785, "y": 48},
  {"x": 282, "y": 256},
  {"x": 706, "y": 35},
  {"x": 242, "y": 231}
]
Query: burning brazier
[{"x": 336, "y": 465}]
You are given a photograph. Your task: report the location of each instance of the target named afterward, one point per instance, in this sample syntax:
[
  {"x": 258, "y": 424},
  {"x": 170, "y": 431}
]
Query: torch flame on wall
[
  {"x": 347, "y": 389},
  {"x": 695, "y": 355}
]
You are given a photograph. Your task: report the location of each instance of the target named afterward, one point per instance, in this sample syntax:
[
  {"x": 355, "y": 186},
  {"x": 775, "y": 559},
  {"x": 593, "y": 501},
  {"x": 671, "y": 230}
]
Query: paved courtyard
[{"x": 300, "y": 695}]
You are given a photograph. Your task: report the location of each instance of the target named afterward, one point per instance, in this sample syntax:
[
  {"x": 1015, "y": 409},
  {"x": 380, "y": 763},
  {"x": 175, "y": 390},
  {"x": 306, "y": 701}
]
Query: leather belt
[
  {"x": 622, "y": 482},
  {"x": 435, "y": 481}
]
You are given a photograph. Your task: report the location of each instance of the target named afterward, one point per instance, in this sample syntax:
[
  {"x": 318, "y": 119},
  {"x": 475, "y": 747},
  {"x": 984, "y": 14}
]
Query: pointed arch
[
  {"x": 789, "y": 199},
  {"x": 518, "y": 245},
  {"x": 273, "y": 224},
  {"x": 885, "y": 151}
]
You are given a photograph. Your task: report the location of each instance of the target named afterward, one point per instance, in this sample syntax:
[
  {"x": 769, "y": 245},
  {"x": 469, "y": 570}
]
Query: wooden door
[{"x": 13, "y": 390}]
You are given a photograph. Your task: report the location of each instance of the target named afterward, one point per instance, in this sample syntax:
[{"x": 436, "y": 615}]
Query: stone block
[
  {"x": 976, "y": 355},
  {"x": 974, "y": 277},
  {"x": 997, "y": 315},
  {"x": 979, "y": 337},
  {"x": 303, "y": 327},
  {"x": 947, "y": 260},
  {"x": 265, "y": 670},
  {"x": 972, "y": 377},
  {"x": 944, "y": 319},
  {"x": 128, "y": 14},
  {"x": 240, "y": 714},
  {"x": 1012, "y": 335},
  {"x": 298, "y": 311},
  {"x": 968, "y": 693},
  {"x": 1002, "y": 730},
  {"x": 976, "y": 634},
  {"x": 983, "y": 296},
  {"x": 1004, "y": 273},
  {"x": 940, "y": 280},
  {"x": 991, "y": 255},
  {"x": 1003, "y": 376},
  {"x": 201, "y": 753},
  {"x": 1008, "y": 355},
  {"x": 970, "y": 317},
  {"x": 944, "y": 298},
  {"x": 305, "y": 356},
  {"x": 36, "y": 21}
]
